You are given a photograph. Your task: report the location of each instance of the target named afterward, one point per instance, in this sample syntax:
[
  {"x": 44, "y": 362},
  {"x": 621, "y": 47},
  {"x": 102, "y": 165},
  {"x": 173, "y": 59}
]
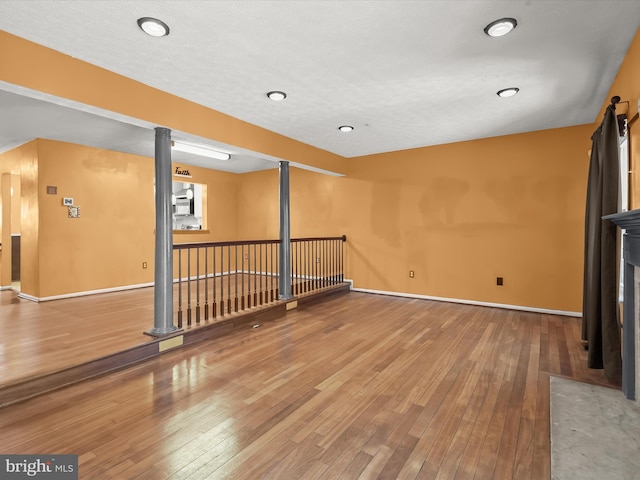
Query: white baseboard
[
  {"x": 82, "y": 294},
  {"x": 130, "y": 287},
  {"x": 468, "y": 302},
  {"x": 28, "y": 297},
  {"x": 363, "y": 290}
]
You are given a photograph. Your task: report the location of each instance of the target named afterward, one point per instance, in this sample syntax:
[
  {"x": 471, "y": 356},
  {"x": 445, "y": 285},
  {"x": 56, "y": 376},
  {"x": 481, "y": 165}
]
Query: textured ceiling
[{"x": 404, "y": 73}]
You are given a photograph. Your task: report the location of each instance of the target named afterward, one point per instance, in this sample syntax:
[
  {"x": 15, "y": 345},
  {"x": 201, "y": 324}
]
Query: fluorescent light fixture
[
  {"x": 276, "y": 96},
  {"x": 345, "y": 128},
  {"x": 507, "y": 92},
  {"x": 201, "y": 151},
  {"x": 500, "y": 27},
  {"x": 153, "y": 26}
]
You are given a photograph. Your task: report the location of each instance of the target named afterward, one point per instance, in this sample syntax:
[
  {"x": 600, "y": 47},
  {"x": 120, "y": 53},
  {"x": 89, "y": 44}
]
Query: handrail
[
  {"x": 178, "y": 246},
  {"x": 215, "y": 279}
]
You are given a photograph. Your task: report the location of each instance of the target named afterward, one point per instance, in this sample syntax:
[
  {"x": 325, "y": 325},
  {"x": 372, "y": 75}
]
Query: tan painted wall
[
  {"x": 316, "y": 205},
  {"x": 432, "y": 210},
  {"x": 106, "y": 246},
  {"x": 22, "y": 63},
  {"x": 222, "y": 219},
  {"x": 459, "y": 215},
  {"x": 11, "y": 163},
  {"x": 15, "y": 193},
  {"x": 5, "y": 237},
  {"x": 627, "y": 86},
  {"x": 258, "y": 205},
  {"x": 29, "y": 220}
]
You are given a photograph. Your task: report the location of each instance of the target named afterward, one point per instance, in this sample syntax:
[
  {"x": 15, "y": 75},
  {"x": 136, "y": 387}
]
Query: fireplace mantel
[{"x": 630, "y": 222}]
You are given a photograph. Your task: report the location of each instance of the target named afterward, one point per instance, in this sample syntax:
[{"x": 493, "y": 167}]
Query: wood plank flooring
[
  {"x": 40, "y": 338},
  {"x": 359, "y": 386}
]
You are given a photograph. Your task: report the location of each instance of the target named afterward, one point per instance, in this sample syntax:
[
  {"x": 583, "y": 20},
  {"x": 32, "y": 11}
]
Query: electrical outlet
[
  {"x": 246, "y": 256},
  {"x": 499, "y": 281},
  {"x": 317, "y": 259},
  {"x": 144, "y": 264},
  {"x": 412, "y": 274}
]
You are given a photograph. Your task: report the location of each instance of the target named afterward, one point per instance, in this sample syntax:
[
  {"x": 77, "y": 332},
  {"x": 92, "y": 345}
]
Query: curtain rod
[{"x": 615, "y": 100}]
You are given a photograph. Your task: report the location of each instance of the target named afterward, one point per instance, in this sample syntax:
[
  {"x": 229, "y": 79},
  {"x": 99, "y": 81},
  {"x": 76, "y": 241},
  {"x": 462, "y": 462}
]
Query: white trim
[
  {"x": 348, "y": 280},
  {"x": 129, "y": 287},
  {"x": 28, "y": 297},
  {"x": 468, "y": 302},
  {"x": 82, "y": 294},
  {"x": 132, "y": 287},
  {"x": 8, "y": 287}
]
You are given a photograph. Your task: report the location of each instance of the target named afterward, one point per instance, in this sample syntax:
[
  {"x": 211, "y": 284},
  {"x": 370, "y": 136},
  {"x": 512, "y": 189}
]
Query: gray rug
[{"x": 595, "y": 433}]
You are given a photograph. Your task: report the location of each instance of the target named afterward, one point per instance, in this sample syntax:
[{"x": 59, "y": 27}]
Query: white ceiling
[{"x": 404, "y": 73}]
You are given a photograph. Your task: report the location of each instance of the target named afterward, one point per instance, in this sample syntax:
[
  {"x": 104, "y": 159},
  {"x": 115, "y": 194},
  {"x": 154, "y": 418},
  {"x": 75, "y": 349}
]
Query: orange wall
[
  {"x": 115, "y": 233},
  {"x": 459, "y": 215},
  {"x": 15, "y": 193},
  {"x": 258, "y": 205},
  {"x": 23, "y": 62},
  {"x": 462, "y": 214},
  {"x": 106, "y": 246},
  {"x": 15, "y": 211},
  {"x": 222, "y": 219},
  {"x": 316, "y": 205},
  {"x": 5, "y": 237},
  {"x": 627, "y": 86},
  {"x": 29, "y": 220}
]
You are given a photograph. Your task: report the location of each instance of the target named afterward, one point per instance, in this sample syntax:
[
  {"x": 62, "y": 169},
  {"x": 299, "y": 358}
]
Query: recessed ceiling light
[
  {"x": 345, "y": 128},
  {"x": 276, "y": 96},
  {"x": 500, "y": 27},
  {"x": 153, "y": 27},
  {"x": 508, "y": 92}
]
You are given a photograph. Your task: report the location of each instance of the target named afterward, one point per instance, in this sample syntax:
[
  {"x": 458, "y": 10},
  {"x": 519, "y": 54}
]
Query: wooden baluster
[
  {"x": 277, "y": 265},
  {"x": 255, "y": 279},
  {"x": 179, "y": 288},
  {"x": 215, "y": 294},
  {"x": 235, "y": 266},
  {"x": 243, "y": 275},
  {"x": 197, "y": 285},
  {"x": 228, "y": 279},
  {"x": 206, "y": 283},
  {"x": 188, "y": 287},
  {"x": 260, "y": 273}
]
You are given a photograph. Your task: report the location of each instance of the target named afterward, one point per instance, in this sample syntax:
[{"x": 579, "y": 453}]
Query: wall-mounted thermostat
[
  {"x": 67, "y": 202},
  {"x": 74, "y": 212}
]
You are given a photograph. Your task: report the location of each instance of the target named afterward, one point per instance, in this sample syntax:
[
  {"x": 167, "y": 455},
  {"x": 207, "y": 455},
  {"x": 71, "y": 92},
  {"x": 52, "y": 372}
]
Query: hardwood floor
[
  {"x": 38, "y": 338},
  {"x": 359, "y": 386}
]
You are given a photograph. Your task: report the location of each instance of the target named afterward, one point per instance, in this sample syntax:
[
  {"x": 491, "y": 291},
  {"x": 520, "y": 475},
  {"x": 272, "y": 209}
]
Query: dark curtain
[{"x": 600, "y": 303}]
